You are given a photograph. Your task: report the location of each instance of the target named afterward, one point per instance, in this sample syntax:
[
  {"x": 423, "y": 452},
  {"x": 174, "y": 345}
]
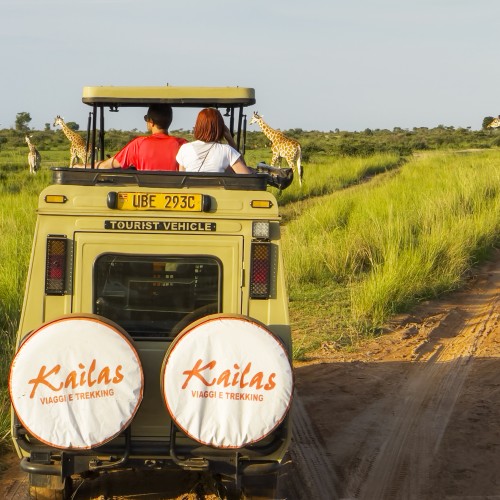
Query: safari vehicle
[{"x": 154, "y": 331}]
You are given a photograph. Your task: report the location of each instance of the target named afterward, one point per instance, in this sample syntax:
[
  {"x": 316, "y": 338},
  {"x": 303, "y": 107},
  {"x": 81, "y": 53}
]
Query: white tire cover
[
  {"x": 227, "y": 381},
  {"x": 76, "y": 382}
]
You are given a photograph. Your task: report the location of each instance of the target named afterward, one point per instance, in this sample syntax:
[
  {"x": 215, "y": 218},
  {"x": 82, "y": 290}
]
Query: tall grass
[
  {"x": 401, "y": 238},
  {"x": 18, "y": 199}
]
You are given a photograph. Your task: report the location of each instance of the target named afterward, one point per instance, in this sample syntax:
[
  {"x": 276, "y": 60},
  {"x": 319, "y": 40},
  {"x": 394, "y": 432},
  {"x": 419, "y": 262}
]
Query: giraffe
[
  {"x": 495, "y": 123},
  {"x": 77, "y": 149},
  {"x": 281, "y": 146},
  {"x": 34, "y": 157}
]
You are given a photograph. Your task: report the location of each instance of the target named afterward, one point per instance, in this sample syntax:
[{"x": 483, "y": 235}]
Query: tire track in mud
[
  {"x": 15, "y": 490},
  {"x": 396, "y": 455},
  {"x": 13, "y": 482},
  {"x": 311, "y": 474}
]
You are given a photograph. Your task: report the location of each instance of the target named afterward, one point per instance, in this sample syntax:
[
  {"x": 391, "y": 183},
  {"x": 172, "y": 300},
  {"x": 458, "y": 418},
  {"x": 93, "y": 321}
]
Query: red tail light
[
  {"x": 55, "y": 265},
  {"x": 260, "y": 271}
]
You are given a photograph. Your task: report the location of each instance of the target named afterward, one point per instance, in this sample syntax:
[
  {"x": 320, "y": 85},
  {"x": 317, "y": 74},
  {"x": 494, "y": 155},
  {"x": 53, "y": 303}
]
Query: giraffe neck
[
  {"x": 30, "y": 145},
  {"x": 269, "y": 132},
  {"x": 69, "y": 133}
]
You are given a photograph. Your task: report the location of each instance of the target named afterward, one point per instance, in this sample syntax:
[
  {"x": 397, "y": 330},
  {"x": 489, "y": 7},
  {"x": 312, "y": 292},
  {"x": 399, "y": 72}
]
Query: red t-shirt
[{"x": 152, "y": 152}]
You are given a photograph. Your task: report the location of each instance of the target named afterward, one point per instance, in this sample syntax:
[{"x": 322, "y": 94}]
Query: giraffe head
[
  {"x": 58, "y": 121},
  {"x": 255, "y": 118},
  {"x": 27, "y": 139}
]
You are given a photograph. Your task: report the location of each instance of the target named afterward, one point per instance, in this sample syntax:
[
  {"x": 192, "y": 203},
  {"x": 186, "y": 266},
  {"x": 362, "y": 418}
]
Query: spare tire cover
[
  {"x": 227, "y": 381},
  {"x": 76, "y": 382}
]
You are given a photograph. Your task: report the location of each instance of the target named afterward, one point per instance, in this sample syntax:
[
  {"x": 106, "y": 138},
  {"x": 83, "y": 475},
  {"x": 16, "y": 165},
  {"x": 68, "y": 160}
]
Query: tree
[
  {"x": 486, "y": 121},
  {"x": 22, "y": 120},
  {"x": 47, "y": 127},
  {"x": 73, "y": 126}
]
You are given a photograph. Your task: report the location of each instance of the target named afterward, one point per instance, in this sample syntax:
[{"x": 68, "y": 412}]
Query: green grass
[
  {"x": 18, "y": 198},
  {"x": 379, "y": 248},
  {"x": 363, "y": 238}
]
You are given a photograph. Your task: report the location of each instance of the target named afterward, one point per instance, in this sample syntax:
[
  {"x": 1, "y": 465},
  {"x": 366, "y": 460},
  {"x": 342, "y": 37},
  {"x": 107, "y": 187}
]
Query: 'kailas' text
[
  {"x": 236, "y": 377},
  {"x": 53, "y": 379}
]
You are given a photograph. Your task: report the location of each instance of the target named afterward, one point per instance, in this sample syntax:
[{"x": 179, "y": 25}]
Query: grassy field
[
  {"x": 364, "y": 238},
  {"x": 18, "y": 197},
  {"x": 358, "y": 256}
]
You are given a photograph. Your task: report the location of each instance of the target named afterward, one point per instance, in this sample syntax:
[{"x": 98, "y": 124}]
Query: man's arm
[{"x": 109, "y": 163}]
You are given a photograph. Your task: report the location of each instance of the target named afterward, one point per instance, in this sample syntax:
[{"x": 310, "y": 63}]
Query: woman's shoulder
[
  {"x": 188, "y": 145},
  {"x": 195, "y": 144}
]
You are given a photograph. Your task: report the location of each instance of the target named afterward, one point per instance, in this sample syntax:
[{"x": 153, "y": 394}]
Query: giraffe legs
[
  {"x": 77, "y": 155},
  {"x": 275, "y": 159},
  {"x": 299, "y": 169},
  {"x": 295, "y": 162}
]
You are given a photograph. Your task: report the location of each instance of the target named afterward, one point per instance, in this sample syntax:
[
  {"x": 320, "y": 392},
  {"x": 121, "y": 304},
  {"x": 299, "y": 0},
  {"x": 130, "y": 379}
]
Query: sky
[{"x": 315, "y": 64}]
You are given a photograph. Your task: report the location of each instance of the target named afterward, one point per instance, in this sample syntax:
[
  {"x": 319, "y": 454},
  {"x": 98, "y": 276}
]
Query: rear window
[{"x": 154, "y": 297}]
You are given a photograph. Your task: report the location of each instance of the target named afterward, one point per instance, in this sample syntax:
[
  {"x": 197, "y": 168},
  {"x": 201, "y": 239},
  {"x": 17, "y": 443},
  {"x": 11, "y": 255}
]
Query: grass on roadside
[
  {"x": 17, "y": 218},
  {"x": 379, "y": 248}
]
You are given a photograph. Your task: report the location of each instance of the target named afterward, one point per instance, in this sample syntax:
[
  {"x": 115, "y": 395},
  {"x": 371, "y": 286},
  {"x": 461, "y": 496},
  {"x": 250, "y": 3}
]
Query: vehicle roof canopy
[{"x": 120, "y": 96}]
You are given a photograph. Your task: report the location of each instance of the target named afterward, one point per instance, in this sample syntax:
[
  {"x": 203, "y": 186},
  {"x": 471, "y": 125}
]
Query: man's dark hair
[{"x": 160, "y": 115}]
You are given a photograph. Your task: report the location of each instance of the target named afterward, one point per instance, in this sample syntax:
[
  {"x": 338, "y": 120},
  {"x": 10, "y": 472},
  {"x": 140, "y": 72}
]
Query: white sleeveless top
[{"x": 199, "y": 156}]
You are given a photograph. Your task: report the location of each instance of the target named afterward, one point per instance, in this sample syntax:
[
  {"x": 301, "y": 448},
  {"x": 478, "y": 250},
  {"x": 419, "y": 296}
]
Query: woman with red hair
[{"x": 207, "y": 153}]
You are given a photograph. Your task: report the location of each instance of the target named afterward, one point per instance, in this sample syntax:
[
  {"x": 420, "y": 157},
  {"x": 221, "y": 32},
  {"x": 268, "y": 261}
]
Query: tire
[
  {"x": 44, "y": 487},
  {"x": 193, "y": 316}
]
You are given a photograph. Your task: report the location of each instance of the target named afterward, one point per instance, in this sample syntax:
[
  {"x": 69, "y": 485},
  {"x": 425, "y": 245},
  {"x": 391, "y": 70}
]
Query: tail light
[
  {"x": 55, "y": 265},
  {"x": 260, "y": 270}
]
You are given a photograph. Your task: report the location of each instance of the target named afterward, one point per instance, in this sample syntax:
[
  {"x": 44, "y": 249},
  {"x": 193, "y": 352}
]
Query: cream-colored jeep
[{"x": 154, "y": 332}]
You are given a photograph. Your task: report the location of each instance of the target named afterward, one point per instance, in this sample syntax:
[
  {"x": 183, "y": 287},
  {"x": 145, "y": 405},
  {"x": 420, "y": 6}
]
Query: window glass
[{"x": 156, "y": 296}]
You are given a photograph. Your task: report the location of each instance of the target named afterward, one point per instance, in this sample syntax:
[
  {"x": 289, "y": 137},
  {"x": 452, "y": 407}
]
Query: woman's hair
[{"x": 209, "y": 126}]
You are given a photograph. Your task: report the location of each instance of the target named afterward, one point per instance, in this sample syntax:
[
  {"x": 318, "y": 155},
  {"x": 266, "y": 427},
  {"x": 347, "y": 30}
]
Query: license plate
[{"x": 161, "y": 201}]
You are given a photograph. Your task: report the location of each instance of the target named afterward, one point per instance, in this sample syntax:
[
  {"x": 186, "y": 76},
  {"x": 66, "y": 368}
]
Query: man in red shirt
[{"x": 154, "y": 152}]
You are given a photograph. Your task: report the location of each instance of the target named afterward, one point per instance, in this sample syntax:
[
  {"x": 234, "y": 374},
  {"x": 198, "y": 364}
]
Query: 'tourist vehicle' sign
[
  {"x": 227, "y": 381},
  {"x": 76, "y": 382},
  {"x": 159, "y": 225}
]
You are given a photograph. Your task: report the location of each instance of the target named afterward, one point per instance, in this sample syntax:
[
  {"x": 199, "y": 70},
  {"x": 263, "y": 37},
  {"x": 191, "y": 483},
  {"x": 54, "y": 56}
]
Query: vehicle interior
[{"x": 231, "y": 101}]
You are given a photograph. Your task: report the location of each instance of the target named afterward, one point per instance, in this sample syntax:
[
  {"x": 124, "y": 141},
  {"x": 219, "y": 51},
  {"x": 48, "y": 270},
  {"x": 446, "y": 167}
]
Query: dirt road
[{"x": 414, "y": 414}]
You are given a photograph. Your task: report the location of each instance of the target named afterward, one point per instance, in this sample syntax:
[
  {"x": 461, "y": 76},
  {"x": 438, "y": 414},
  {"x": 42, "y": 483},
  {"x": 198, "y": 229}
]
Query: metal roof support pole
[
  {"x": 92, "y": 152},
  {"x": 87, "y": 144},
  {"x": 240, "y": 118},
  {"x": 101, "y": 134}
]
